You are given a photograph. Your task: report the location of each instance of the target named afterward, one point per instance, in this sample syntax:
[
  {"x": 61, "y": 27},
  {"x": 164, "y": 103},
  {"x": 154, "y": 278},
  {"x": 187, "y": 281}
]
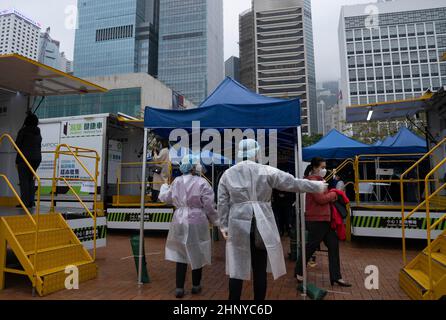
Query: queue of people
[
  {"x": 245, "y": 217},
  {"x": 244, "y": 214}
]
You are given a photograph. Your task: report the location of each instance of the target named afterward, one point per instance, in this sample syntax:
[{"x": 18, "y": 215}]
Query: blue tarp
[
  {"x": 232, "y": 92},
  {"x": 405, "y": 141},
  {"x": 229, "y": 107},
  {"x": 336, "y": 145}
]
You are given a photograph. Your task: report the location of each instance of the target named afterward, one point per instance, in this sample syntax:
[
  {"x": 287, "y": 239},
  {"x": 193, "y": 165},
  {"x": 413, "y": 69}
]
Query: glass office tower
[
  {"x": 115, "y": 37},
  {"x": 191, "y": 46}
]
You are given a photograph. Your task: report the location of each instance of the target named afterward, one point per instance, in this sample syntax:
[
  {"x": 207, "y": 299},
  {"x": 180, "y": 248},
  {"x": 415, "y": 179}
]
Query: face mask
[{"x": 322, "y": 173}]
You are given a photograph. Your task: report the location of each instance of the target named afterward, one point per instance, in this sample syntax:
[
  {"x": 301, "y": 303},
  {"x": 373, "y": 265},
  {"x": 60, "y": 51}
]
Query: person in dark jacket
[
  {"x": 29, "y": 141},
  {"x": 318, "y": 222}
]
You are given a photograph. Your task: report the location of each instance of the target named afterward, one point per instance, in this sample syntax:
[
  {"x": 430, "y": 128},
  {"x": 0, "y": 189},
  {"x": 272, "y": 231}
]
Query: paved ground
[{"x": 117, "y": 275}]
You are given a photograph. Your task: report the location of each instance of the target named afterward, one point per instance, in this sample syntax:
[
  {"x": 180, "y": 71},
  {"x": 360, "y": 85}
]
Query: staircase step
[
  {"x": 439, "y": 257},
  {"x": 410, "y": 285},
  {"x": 62, "y": 268},
  {"x": 60, "y": 257},
  {"x": 47, "y": 238},
  {"x": 53, "y": 248},
  {"x": 421, "y": 278},
  {"x": 55, "y": 279},
  {"x": 19, "y": 224}
]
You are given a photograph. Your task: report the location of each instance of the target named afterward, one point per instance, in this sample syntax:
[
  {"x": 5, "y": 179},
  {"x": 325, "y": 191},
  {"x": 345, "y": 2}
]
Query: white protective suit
[
  {"x": 189, "y": 238},
  {"x": 245, "y": 190}
]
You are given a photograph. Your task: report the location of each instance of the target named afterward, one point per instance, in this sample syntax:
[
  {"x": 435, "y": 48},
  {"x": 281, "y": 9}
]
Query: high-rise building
[
  {"x": 246, "y": 47},
  {"x": 116, "y": 37},
  {"x": 191, "y": 57},
  {"x": 283, "y": 53},
  {"x": 50, "y": 55},
  {"x": 394, "y": 55},
  {"x": 18, "y": 34},
  {"x": 232, "y": 68}
]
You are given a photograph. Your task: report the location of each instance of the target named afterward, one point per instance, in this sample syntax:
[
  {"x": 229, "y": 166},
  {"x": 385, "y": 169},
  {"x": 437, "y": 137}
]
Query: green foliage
[{"x": 310, "y": 140}]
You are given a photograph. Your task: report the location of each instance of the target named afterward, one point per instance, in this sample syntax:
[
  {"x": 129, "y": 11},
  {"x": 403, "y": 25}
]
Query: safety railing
[
  {"x": 379, "y": 159},
  {"x": 37, "y": 210},
  {"x": 339, "y": 168},
  {"x": 428, "y": 198},
  {"x": 77, "y": 153},
  {"x": 137, "y": 165}
]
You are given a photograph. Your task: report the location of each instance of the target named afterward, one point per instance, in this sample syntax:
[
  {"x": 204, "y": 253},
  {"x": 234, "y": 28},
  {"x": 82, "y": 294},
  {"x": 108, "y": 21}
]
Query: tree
[{"x": 310, "y": 140}]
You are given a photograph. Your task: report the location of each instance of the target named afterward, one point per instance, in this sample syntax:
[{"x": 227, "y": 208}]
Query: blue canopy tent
[
  {"x": 404, "y": 142},
  {"x": 336, "y": 145},
  {"x": 231, "y": 106}
]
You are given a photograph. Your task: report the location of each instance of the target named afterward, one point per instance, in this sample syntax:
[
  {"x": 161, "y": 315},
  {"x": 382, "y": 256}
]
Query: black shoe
[
  {"x": 196, "y": 289},
  {"x": 179, "y": 293},
  {"x": 341, "y": 283}
]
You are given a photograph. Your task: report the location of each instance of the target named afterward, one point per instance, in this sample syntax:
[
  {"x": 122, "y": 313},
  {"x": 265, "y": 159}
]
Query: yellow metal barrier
[
  {"x": 120, "y": 183},
  {"x": 339, "y": 168},
  {"x": 37, "y": 212},
  {"x": 77, "y": 153},
  {"x": 386, "y": 157},
  {"x": 427, "y": 181}
]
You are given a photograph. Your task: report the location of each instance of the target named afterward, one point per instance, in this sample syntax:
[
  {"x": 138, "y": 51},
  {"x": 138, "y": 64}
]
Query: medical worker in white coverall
[
  {"x": 189, "y": 240},
  {"x": 247, "y": 220}
]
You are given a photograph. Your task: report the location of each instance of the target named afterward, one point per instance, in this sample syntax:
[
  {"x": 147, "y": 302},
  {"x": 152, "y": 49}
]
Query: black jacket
[{"x": 29, "y": 141}]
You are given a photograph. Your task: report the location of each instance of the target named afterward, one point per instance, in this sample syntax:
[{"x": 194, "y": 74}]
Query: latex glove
[
  {"x": 164, "y": 188},
  {"x": 322, "y": 186},
  {"x": 224, "y": 233}
]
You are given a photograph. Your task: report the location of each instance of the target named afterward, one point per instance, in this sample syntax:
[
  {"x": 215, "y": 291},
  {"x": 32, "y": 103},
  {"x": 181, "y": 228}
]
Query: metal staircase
[
  {"x": 44, "y": 244},
  {"x": 424, "y": 278}
]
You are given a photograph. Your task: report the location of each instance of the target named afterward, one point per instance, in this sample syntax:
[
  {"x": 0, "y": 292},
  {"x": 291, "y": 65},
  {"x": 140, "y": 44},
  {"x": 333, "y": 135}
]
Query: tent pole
[
  {"x": 300, "y": 212},
  {"x": 143, "y": 204}
]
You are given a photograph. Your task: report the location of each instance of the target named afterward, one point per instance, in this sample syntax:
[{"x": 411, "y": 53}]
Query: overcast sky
[{"x": 55, "y": 13}]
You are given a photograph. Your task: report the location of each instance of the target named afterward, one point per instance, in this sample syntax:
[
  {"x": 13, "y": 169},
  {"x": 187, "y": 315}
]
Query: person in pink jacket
[{"x": 189, "y": 240}]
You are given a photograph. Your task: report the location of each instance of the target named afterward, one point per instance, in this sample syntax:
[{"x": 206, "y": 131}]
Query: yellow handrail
[
  {"x": 339, "y": 168},
  {"x": 119, "y": 171},
  {"x": 428, "y": 218},
  {"x": 94, "y": 217},
  {"x": 16, "y": 195},
  {"x": 403, "y": 209},
  {"x": 37, "y": 212},
  {"x": 76, "y": 155}
]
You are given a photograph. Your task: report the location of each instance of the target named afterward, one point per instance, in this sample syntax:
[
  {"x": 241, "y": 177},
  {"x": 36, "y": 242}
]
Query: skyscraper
[
  {"x": 246, "y": 47},
  {"x": 49, "y": 53},
  {"x": 283, "y": 53},
  {"x": 116, "y": 37},
  {"x": 19, "y": 34},
  {"x": 191, "y": 46},
  {"x": 395, "y": 58},
  {"x": 232, "y": 68}
]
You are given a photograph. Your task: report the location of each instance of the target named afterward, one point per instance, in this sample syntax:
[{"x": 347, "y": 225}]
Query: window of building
[
  {"x": 393, "y": 31},
  {"x": 361, "y": 74},
  {"x": 431, "y": 42},
  {"x": 384, "y": 32},
  {"x": 389, "y": 86},
  {"x": 426, "y": 82},
  {"x": 402, "y": 30},
  {"x": 424, "y": 70},
  {"x": 385, "y": 46},
  {"x": 349, "y": 35},
  {"x": 433, "y": 56},
  {"x": 371, "y": 89},
  {"x": 429, "y": 28},
  {"x": 435, "y": 71},
  {"x": 378, "y": 59},
  {"x": 368, "y": 47},
  {"x": 376, "y": 46},
  {"x": 404, "y": 45},
  {"x": 396, "y": 58},
  {"x": 406, "y": 71},
  {"x": 380, "y": 87},
  {"x": 350, "y": 48},
  {"x": 404, "y": 57},
  {"x": 351, "y": 62},
  {"x": 407, "y": 86},
  {"x": 412, "y": 43},
  {"x": 415, "y": 70},
  {"x": 388, "y": 72},
  {"x": 420, "y": 29},
  {"x": 369, "y": 60},
  {"x": 358, "y": 34},
  {"x": 362, "y": 88},
  {"x": 352, "y": 75},
  {"x": 367, "y": 34},
  {"x": 360, "y": 61},
  {"x": 359, "y": 47},
  {"x": 397, "y": 72},
  {"x": 398, "y": 86},
  {"x": 370, "y": 74},
  {"x": 422, "y": 42},
  {"x": 375, "y": 33},
  {"x": 414, "y": 57},
  {"x": 386, "y": 59},
  {"x": 435, "y": 83},
  {"x": 379, "y": 73}
]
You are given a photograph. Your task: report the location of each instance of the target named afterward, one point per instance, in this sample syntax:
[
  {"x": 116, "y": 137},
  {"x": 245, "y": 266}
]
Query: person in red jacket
[{"x": 318, "y": 223}]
